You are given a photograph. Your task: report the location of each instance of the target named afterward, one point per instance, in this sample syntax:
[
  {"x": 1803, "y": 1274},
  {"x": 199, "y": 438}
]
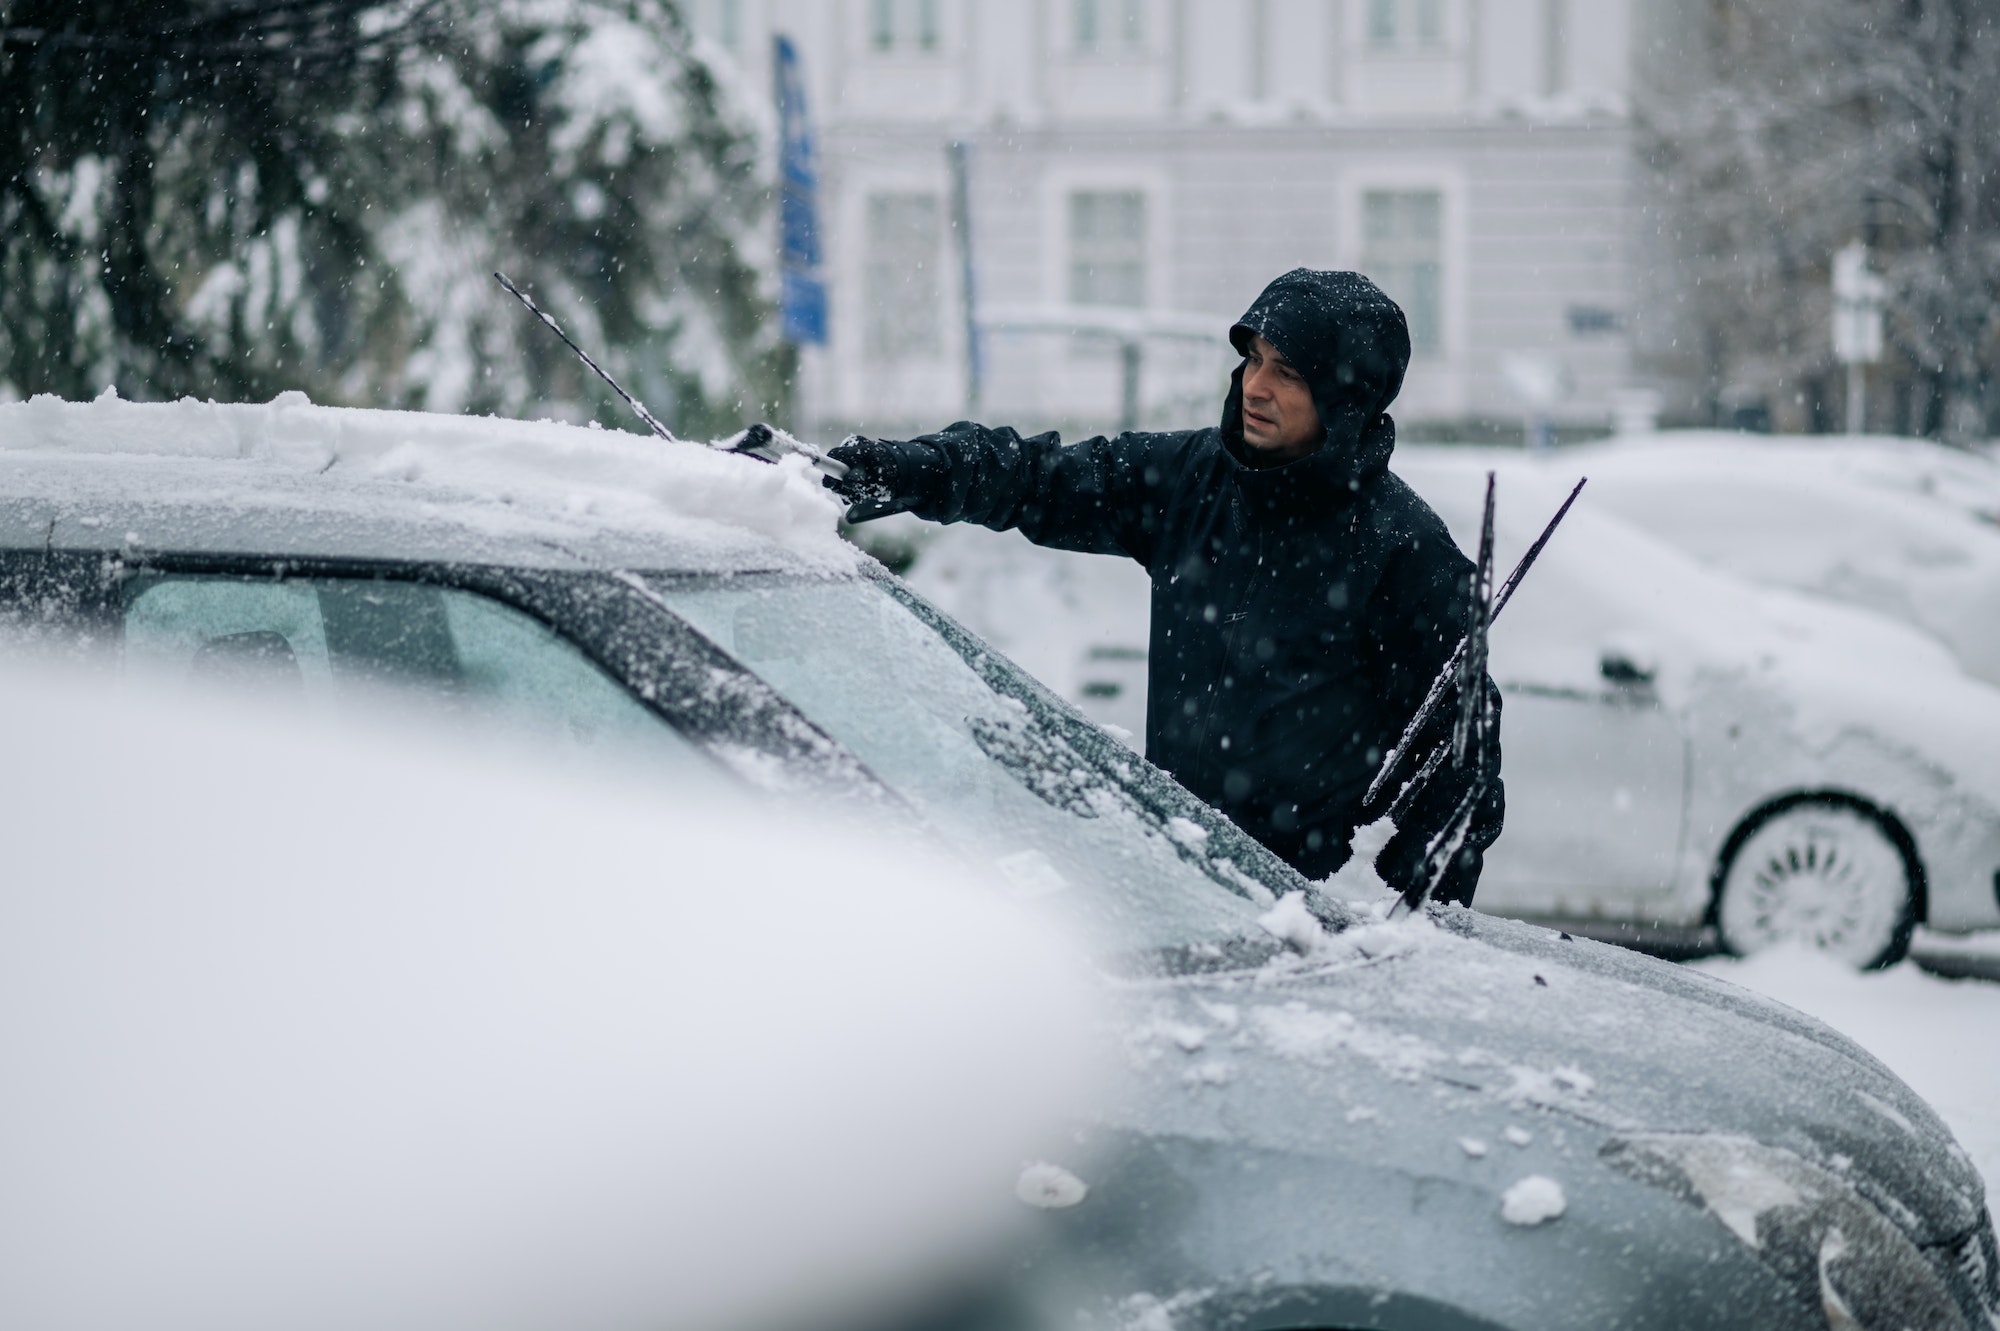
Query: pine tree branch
[{"x": 275, "y": 28}]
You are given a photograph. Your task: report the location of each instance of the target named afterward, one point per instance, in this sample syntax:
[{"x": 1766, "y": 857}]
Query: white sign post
[{"x": 1858, "y": 298}]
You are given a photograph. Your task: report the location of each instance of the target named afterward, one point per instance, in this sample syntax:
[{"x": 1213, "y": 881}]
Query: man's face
[{"x": 1280, "y": 422}]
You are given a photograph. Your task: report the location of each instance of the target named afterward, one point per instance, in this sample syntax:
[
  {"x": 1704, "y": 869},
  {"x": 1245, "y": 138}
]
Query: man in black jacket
[{"x": 1303, "y": 596}]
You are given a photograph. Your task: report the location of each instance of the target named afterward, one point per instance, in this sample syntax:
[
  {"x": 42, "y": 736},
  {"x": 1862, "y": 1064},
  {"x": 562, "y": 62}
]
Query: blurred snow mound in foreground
[{"x": 328, "y": 1030}]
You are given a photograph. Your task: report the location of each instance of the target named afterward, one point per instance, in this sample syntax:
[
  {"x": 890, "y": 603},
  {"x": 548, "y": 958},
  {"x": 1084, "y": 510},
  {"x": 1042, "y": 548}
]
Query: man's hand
[{"x": 872, "y": 486}]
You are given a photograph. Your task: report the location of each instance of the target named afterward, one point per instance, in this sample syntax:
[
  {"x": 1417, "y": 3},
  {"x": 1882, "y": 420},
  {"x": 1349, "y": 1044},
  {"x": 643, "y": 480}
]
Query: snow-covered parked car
[
  {"x": 1904, "y": 527},
  {"x": 1687, "y": 750},
  {"x": 1321, "y": 1116}
]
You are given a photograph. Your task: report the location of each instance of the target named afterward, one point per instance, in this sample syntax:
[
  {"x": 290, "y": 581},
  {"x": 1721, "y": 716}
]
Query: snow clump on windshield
[
  {"x": 1357, "y": 880},
  {"x": 1533, "y": 1200},
  {"x": 1049, "y": 1187}
]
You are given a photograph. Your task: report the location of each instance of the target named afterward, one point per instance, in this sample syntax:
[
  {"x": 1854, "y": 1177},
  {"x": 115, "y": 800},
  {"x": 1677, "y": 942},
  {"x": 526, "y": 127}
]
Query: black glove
[{"x": 872, "y": 486}]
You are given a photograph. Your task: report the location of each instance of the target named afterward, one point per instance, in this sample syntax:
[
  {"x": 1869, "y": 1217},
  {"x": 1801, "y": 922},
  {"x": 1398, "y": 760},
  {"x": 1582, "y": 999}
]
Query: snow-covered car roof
[
  {"x": 290, "y": 477},
  {"x": 1904, "y": 527},
  {"x": 1604, "y": 583}
]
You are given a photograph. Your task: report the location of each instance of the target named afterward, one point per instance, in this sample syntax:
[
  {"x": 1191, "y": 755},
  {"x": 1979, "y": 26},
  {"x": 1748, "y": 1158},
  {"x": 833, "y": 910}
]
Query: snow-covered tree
[
  {"x": 1819, "y": 122},
  {"x": 233, "y": 197}
]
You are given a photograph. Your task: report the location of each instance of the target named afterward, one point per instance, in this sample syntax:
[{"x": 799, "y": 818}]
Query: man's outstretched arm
[{"x": 1102, "y": 495}]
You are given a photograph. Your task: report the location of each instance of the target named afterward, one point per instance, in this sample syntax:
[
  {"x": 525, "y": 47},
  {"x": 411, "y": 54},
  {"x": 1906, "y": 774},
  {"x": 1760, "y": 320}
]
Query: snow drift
[{"x": 327, "y": 1030}]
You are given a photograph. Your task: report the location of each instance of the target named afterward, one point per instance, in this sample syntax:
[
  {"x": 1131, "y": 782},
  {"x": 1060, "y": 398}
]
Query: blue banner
[{"x": 802, "y": 297}]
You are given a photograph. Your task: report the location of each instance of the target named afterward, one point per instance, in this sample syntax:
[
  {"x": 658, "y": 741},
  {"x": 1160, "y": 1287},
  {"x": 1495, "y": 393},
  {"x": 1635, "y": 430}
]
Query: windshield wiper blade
[{"x": 1447, "y": 676}]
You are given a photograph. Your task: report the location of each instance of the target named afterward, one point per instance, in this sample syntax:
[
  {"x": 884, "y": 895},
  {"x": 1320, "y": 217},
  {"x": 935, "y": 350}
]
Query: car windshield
[{"x": 992, "y": 760}]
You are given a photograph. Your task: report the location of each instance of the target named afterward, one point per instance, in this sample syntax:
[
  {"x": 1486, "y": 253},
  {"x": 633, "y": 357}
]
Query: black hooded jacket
[{"x": 1299, "y": 612}]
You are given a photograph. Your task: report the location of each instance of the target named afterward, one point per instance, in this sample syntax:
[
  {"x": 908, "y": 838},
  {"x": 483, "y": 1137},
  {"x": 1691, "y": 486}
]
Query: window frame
[
  {"x": 1405, "y": 35},
  {"x": 1373, "y": 261},
  {"x": 883, "y": 35},
  {"x": 1448, "y": 181},
  {"x": 650, "y": 652},
  {"x": 937, "y": 348},
  {"x": 1142, "y": 261},
  {"x": 1124, "y": 30},
  {"x": 1106, "y": 176}
]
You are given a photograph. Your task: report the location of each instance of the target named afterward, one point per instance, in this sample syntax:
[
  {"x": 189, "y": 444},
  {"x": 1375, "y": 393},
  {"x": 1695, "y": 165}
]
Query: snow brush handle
[{"x": 760, "y": 441}]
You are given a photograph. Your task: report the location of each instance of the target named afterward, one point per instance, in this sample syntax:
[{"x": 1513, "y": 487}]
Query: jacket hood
[{"x": 1349, "y": 340}]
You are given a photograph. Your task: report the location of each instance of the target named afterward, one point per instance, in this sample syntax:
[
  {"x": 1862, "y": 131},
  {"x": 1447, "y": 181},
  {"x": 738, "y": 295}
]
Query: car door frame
[{"x": 692, "y": 685}]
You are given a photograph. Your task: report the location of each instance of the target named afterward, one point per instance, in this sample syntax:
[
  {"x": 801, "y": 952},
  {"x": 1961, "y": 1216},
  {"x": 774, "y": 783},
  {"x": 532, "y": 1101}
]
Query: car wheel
[{"x": 1821, "y": 870}]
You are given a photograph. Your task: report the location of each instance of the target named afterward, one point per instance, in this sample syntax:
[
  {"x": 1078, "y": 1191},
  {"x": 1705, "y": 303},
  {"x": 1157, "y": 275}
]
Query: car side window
[
  {"x": 330, "y": 642},
  {"x": 515, "y": 667},
  {"x": 230, "y": 632}
]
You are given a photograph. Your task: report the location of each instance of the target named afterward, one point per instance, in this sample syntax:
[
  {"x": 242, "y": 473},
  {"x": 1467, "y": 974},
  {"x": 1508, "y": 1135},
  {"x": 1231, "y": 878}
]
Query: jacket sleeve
[
  {"x": 1101, "y": 496},
  {"x": 1421, "y": 617}
]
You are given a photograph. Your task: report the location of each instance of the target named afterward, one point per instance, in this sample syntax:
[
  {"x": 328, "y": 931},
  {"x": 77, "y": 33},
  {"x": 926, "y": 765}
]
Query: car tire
[{"x": 1829, "y": 871}]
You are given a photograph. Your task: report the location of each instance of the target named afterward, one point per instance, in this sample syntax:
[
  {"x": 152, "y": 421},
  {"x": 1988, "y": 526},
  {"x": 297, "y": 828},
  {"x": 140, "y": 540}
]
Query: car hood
[{"x": 1477, "y": 1051}]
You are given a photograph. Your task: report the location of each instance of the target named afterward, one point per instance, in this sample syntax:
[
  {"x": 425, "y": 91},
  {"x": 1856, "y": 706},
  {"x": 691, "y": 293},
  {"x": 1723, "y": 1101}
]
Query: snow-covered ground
[{"x": 1936, "y": 1034}]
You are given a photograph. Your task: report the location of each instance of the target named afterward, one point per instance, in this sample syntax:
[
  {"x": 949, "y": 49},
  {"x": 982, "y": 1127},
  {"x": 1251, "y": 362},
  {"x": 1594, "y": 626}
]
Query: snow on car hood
[
  {"x": 497, "y": 479},
  {"x": 1604, "y": 585},
  {"x": 1484, "y": 1051}
]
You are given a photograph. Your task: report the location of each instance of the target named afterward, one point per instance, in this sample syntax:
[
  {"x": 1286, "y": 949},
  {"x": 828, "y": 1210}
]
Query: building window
[
  {"x": 1405, "y": 23},
  {"x": 905, "y": 297},
  {"x": 904, "y": 25},
  {"x": 1107, "y": 248},
  {"x": 719, "y": 19},
  {"x": 1592, "y": 321},
  {"x": 1107, "y": 26},
  {"x": 1402, "y": 248}
]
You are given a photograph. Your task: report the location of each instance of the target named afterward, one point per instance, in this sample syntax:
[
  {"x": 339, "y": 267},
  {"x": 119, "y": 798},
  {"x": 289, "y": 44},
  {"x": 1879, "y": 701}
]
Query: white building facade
[{"x": 1135, "y": 170}]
